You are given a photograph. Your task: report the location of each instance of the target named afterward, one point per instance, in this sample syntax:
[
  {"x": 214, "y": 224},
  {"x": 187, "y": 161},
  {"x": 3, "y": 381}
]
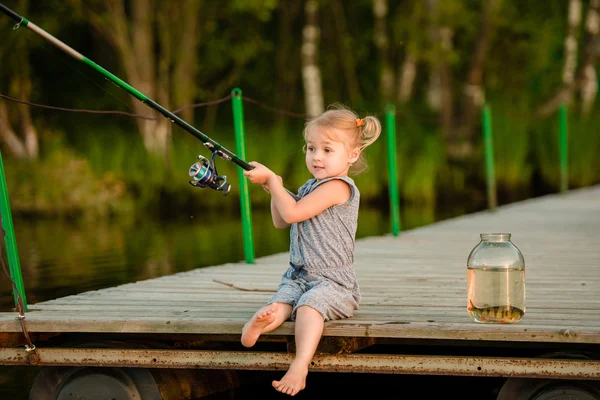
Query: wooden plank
[
  {"x": 343, "y": 328},
  {"x": 250, "y": 308},
  {"x": 413, "y": 285},
  {"x": 176, "y": 316}
]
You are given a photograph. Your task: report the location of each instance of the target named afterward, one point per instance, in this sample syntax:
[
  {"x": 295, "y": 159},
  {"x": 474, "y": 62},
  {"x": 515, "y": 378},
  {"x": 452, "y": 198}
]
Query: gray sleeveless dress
[{"x": 321, "y": 258}]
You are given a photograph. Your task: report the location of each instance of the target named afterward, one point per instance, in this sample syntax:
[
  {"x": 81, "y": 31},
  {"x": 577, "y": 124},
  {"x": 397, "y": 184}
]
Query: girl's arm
[
  {"x": 324, "y": 196},
  {"x": 291, "y": 211},
  {"x": 277, "y": 220}
]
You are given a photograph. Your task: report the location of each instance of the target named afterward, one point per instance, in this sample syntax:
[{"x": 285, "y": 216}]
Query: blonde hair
[{"x": 359, "y": 132}]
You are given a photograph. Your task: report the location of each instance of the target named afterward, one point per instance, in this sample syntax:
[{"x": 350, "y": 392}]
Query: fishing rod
[{"x": 203, "y": 173}]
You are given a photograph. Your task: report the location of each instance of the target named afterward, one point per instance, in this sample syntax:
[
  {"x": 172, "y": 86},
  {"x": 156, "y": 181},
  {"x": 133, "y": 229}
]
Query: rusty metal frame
[{"x": 357, "y": 363}]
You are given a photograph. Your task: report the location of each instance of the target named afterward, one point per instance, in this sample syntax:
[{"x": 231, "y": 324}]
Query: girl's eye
[
  {"x": 310, "y": 148},
  {"x": 328, "y": 150}
]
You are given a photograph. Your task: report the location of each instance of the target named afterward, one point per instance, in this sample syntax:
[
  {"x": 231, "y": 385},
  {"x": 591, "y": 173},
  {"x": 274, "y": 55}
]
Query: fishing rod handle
[{"x": 10, "y": 13}]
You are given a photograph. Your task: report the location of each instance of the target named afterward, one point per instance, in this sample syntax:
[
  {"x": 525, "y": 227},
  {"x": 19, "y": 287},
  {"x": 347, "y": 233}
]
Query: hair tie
[{"x": 359, "y": 122}]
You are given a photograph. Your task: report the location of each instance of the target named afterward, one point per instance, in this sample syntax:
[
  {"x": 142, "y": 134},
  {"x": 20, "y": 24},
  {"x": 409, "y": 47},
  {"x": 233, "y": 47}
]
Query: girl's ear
[{"x": 354, "y": 154}]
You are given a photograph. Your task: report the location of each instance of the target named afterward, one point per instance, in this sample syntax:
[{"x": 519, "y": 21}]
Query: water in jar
[{"x": 496, "y": 295}]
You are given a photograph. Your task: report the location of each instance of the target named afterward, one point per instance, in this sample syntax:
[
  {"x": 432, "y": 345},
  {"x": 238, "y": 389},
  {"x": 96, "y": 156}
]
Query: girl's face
[{"x": 327, "y": 157}]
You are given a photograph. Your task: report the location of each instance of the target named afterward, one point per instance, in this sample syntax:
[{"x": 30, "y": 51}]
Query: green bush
[{"x": 63, "y": 184}]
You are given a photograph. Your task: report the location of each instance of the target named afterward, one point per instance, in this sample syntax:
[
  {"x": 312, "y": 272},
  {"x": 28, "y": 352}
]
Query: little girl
[{"x": 320, "y": 283}]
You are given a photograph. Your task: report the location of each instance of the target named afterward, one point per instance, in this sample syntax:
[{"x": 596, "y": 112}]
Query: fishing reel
[{"x": 204, "y": 174}]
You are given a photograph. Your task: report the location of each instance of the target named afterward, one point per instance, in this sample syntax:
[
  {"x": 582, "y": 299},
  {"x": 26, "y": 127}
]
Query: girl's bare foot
[
  {"x": 257, "y": 324},
  {"x": 293, "y": 381}
]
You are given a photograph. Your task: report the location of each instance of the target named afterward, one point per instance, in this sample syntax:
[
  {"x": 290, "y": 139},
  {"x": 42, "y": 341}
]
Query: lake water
[{"x": 61, "y": 258}]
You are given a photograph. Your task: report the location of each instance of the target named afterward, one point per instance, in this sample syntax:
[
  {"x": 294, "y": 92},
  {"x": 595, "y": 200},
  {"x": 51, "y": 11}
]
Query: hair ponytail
[{"x": 367, "y": 135}]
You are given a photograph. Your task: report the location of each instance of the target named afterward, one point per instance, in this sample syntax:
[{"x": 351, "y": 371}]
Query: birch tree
[
  {"x": 570, "y": 64},
  {"x": 439, "y": 90},
  {"x": 346, "y": 51},
  {"x": 17, "y": 131},
  {"x": 135, "y": 41},
  {"x": 408, "y": 23},
  {"x": 585, "y": 76},
  {"x": 474, "y": 94},
  {"x": 408, "y": 74},
  {"x": 188, "y": 38},
  {"x": 565, "y": 92},
  {"x": 589, "y": 84},
  {"x": 287, "y": 56},
  {"x": 382, "y": 43},
  {"x": 157, "y": 49},
  {"x": 311, "y": 72}
]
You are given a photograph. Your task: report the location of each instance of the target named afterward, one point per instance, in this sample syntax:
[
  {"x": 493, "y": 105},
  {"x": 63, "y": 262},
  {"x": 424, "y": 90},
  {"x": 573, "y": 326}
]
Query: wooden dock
[{"x": 414, "y": 301}]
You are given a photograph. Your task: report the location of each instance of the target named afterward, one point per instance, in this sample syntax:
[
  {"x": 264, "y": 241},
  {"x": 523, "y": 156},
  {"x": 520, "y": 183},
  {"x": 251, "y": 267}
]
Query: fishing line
[
  {"x": 16, "y": 33},
  {"x": 75, "y": 110},
  {"x": 64, "y": 61},
  {"x": 89, "y": 78},
  {"x": 204, "y": 173},
  {"x": 13, "y": 36}
]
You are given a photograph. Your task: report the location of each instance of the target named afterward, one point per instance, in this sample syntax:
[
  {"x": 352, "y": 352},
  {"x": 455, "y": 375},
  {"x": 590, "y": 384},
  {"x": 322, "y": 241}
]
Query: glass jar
[{"x": 496, "y": 280}]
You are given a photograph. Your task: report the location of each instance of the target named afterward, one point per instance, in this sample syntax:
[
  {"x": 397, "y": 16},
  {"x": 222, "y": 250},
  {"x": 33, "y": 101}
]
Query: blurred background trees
[{"x": 438, "y": 61}]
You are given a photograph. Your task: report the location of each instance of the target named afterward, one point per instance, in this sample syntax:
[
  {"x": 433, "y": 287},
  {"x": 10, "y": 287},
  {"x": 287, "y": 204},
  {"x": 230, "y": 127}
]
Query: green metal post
[
  {"x": 240, "y": 148},
  {"x": 390, "y": 123},
  {"x": 489, "y": 158},
  {"x": 10, "y": 240},
  {"x": 564, "y": 148}
]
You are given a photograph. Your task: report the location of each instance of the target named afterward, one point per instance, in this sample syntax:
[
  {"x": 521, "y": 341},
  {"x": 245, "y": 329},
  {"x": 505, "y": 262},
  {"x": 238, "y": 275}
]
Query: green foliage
[
  {"x": 420, "y": 183},
  {"x": 62, "y": 184},
  {"x": 545, "y": 141},
  {"x": 526, "y": 59},
  {"x": 584, "y": 148},
  {"x": 510, "y": 130},
  {"x": 256, "y": 45},
  {"x": 420, "y": 156}
]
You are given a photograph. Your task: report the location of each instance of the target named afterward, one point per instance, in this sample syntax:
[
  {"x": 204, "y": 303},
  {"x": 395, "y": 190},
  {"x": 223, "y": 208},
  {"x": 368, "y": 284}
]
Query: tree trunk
[
  {"x": 286, "y": 58},
  {"x": 434, "y": 92},
  {"x": 589, "y": 89},
  {"x": 447, "y": 112},
  {"x": 346, "y": 52},
  {"x": 564, "y": 93},
  {"x": 28, "y": 131},
  {"x": 186, "y": 44},
  {"x": 164, "y": 126},
  {"x": 311, "y": 72},
  {"x": 135, "y": 43},
  {"x": 142, "y": 57},
  {"x": 589, "y": 84},
  {"x": 434, "y": 97},
  {"x": 474, "y": 93},
  {"x": 408, "y": 71},
  {"x": 439, "y": 94},
  {"x": 17, "y": 131},
  {"x": 574, "y": 19},
  {"x": 407, "y": 78},
  {"x": 382, "y": 43},
  {"x": 8, "y": 135},
  {"x": 569, "y": 85}
]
